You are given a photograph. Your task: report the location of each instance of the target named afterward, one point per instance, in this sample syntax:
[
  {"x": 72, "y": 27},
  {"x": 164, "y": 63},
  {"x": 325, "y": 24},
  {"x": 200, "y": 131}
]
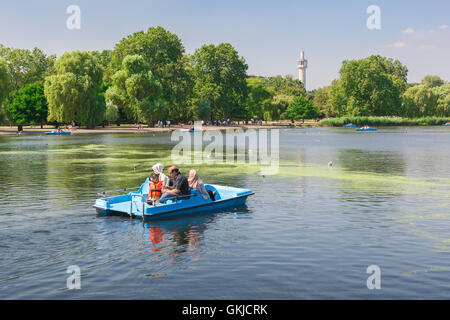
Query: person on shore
[
  {"x": 158, "y": 170},
  {"x": 197, "y": 184},
  {"x": 180, "y": 186}
]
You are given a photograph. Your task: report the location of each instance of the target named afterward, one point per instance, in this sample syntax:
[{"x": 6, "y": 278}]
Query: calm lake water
[{"x": 309, "y": 232}]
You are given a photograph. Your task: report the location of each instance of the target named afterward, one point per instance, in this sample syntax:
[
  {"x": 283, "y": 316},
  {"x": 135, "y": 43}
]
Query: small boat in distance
[
  {"x": 134, "y": 203},
  {"x": 366, "y": 128},
  {"x": 447, "y": 124},
  {"x": 56, "y": 133},
  {"x": 350, "y": 125},
  {"x": 190, "y": 130}
]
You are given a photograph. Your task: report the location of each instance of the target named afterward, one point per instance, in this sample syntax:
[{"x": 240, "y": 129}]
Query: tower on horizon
[{"x": 302, "y": 64}]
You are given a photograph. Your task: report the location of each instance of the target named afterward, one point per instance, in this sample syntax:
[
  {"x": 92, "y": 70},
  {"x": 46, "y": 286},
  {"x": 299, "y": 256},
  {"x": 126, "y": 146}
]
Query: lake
[{"x": 309, "y": 232}]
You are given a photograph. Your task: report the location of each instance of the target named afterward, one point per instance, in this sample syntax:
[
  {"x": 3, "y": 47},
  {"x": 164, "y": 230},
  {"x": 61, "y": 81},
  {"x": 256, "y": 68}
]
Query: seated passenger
[
  {"x": 180, "y": 186},
  {"x": 158, "y": 169},
  {"x": 155, "y": 189},
  {"x": 197, "y": 184}
]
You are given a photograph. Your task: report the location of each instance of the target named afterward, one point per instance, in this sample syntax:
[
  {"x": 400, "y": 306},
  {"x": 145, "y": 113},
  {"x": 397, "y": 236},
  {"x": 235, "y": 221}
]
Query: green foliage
[
  {"x": 74, "y": 91},
  {"x": 371, "y": 86},
  {"x": 103, "y": 58},
  {"x": 419, "y": 101},
  {"x": 280, "y": 103},
  {"x": 287, "y": 85},
  {"x": 4, "y": 87},
  {"x": 443, "y": 103},
  {"x": 259, "y": 100},
  {"x": 284, "y": 91},
  {"x": 301, "y": 108},
  {"x": 112, "y": 112},
  {"x": 203, "y": 111},
  {"x": 29, "y": 105},
  {"x": 432, "y": 81},
  {"x": 135, "y": 90},
  {"x": 384, "y": 121},
  {"x": 164, "y": 53},
  {"x": 321, "y": 101},
  {"x": 220, "y": 77},
  {"x": 25, "y": 66}
]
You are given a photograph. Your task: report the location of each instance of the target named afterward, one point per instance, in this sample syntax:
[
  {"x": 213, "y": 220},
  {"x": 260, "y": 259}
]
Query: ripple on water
[{"x": 308, "y": 232}]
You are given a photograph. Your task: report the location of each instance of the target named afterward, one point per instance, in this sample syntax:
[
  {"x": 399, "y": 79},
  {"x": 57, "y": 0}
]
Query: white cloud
[
  {"x": 399, "y": 45},
  {"x": 408, "y": 31},
  {"x": 443, "y": 27}
]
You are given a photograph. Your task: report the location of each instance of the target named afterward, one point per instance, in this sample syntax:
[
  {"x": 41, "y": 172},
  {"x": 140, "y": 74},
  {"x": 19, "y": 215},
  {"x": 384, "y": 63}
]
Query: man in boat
[{"x": 180, "y": 186}]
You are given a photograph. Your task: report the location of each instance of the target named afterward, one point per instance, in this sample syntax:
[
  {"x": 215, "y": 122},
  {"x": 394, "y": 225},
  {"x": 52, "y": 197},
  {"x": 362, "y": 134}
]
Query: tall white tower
[{"x": 302, "y": 64}]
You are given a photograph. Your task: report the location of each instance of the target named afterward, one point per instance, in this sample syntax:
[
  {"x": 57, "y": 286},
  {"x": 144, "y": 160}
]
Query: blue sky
[{"x": 268, "y": 34}]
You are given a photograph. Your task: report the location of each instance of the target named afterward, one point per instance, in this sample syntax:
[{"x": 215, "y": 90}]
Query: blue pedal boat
[
  {"x": 350, "y": 125},
  {"x": 447, "y": 124},
  {"x": 133, "y": 204},
  {"x": 56, "y": 133},
  {"x": 367, "y": 129}
]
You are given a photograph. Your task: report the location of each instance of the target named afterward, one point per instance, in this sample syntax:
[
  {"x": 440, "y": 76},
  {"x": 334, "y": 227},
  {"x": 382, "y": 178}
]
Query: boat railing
[{"x": 105, "y": 193}]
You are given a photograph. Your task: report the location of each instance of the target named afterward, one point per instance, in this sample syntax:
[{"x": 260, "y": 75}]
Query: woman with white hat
[{"x": 158, "y": 169}]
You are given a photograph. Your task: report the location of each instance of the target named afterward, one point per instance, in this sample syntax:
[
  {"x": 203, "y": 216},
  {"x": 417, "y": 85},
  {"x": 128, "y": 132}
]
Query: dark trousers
[{"x": 211, "y": 195}]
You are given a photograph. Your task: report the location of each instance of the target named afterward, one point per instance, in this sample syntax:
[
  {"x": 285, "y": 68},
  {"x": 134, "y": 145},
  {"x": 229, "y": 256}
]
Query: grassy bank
[{"x": 384, "y": 121}]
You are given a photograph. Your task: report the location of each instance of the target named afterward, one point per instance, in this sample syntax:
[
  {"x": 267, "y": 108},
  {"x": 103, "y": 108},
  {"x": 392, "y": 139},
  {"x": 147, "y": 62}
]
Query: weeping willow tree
[
  {"x": 4, "y": 85},
  {"x": 136, "y": 91},
  {"x": 74, "y": 91}
]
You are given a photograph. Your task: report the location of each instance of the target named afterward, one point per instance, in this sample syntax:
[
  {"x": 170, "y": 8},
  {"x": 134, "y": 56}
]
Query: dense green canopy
[
  {"x": 74, "y": 91},
  {"x": 148, "y": 77},
  {"x": 25, "y": 66},
  {"x": 4, "y": 86},
  {"x": 220, "y": 78},
  {"x": 136, "y": 91},
  {"x": 370, "y": 86},
  {"x": 301, "y": 108},
  {"x": 29, "y": 105},
  {"x": 164, "y": 53}
]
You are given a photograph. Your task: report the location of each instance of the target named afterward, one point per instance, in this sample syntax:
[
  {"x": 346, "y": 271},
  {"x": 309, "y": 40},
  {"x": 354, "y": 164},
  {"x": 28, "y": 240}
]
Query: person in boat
[
  {"x": 180, "y": 186},
  {"x": 197, "y": 184},
  {"x": 158, "y": 170},
  {"x": 155, "y": 188}
]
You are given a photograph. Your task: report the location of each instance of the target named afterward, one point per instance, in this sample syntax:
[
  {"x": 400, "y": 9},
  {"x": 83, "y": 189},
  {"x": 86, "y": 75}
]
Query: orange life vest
[{"x": 155, "y": 191}]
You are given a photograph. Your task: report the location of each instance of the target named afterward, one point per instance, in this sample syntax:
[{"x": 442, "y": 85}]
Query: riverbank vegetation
[
  {"x": 384, "y": 121},
  {"x": 148, "y": 76}
]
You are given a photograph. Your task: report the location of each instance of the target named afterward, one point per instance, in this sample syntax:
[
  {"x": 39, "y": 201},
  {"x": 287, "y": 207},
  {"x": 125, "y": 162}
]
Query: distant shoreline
[
  {"x": 284, "y": 124},
  {"x": 128, "y": 129}
]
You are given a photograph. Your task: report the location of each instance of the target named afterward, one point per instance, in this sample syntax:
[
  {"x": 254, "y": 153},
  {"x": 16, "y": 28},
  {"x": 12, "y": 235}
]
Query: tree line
[
  {"x": 377, "y": 86},
  {"x": 148, "y": 76}
]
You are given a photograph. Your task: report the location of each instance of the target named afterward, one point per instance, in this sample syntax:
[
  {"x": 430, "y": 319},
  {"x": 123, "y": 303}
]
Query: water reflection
[
  {"x": 175, "y": 240},
  {"x": 384, "y": 162}
]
